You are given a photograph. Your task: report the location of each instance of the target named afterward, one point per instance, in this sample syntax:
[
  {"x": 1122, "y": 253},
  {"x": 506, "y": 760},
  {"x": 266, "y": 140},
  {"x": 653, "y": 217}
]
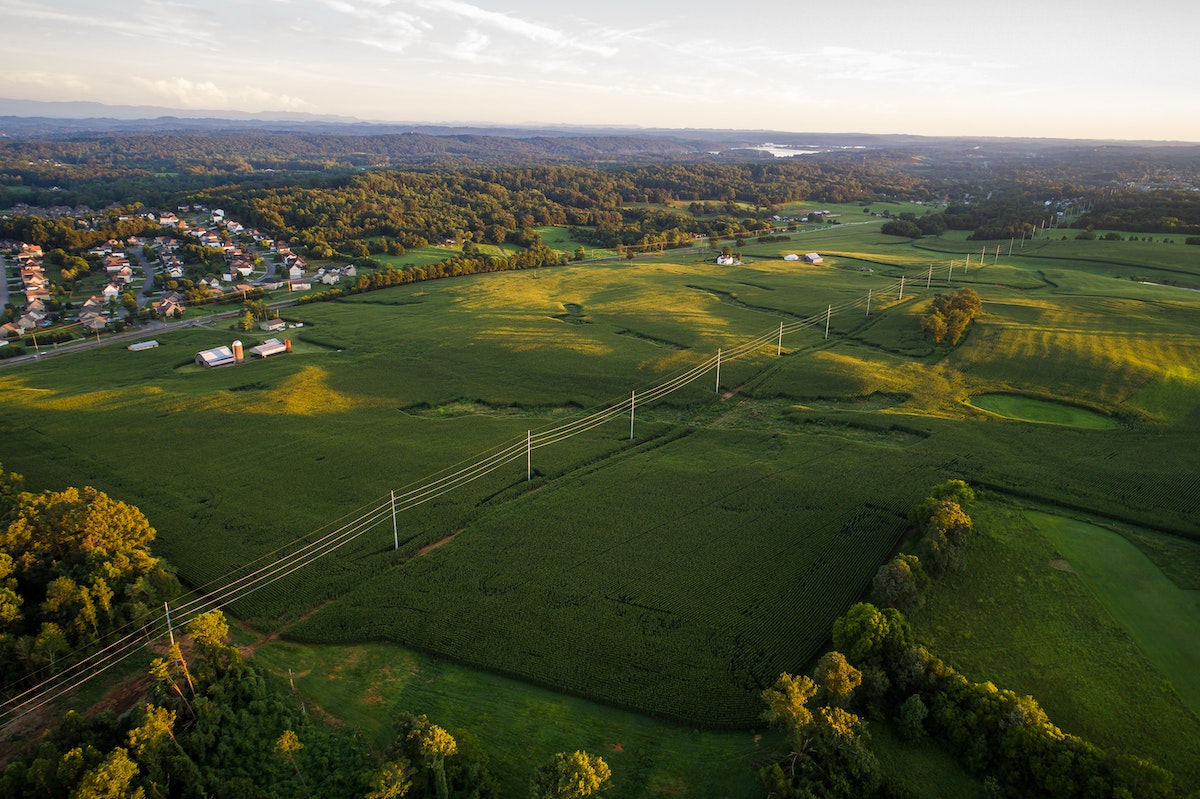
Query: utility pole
[
  {"x": 828, "y": 315},
  {"x": 718, "y": 389},
  {"x": 779, "y": 347},
  {"x": 170, "y": 632},
  {"x": 528, "y": 455},
  {"x": 929, "y": 278},
  {"x": 395, "y": 528},
  {"x": 868, "y": 302},
  {"x": 632, "y": 405},
  {"x": 901, "y": 288}
]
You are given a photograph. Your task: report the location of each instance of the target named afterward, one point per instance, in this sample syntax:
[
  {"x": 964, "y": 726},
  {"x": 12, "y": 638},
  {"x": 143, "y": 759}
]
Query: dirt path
[{"x": 425, "y": 550}]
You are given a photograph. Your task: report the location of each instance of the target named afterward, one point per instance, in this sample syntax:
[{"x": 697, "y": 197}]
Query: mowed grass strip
[
  {"x": 1162, "y": 618},
  {"x": 519, "y": 725}
]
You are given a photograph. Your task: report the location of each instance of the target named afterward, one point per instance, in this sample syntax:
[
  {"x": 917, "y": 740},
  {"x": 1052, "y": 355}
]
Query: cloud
[
  {"x": 474, "y": 48},
  {"x": 381, "y": 26},
  {"x": 47, "y": 80},
  {"x": 525, "y": 29},
  {"x": 206, "y": 94},
  {"x": 162, "y": 22}
]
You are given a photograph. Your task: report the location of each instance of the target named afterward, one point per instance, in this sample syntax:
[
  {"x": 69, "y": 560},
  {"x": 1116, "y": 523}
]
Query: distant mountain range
[{"x": 34, "y": 119}]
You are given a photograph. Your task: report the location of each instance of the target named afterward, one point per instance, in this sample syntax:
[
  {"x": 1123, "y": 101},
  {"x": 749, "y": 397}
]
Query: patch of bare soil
[
  {"x": 425, "y": 550},
  {"x": 1062, "y": 565},
  {"x": 728, "y": 394}
]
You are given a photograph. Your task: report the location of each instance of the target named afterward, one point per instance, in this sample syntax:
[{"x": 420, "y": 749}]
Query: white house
[
  {"x": 728, "y": 260},
  {"x": 295, "y": 271}
]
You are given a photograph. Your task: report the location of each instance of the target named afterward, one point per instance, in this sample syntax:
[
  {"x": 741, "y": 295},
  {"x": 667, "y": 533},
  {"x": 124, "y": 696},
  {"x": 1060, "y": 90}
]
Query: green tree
[
  {"x": 911, "y": 717},
  {"x": 837, "y": 678},
  {"x": 787, "y": 702},
  {"x": 288, "y": 744},
  {"x": 112, "y": 779},
  {"x": 393, "y": 780},
  {"x": 897, "y": 583},
  {"x": 934, "y": 325},
  {"x": 570, "y": 776}
]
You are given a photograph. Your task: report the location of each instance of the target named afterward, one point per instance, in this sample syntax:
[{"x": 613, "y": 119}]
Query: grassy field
[
  {"x": 1163, "y": 619},
  {"x": 520, "y": 726},
  {"x": 677, "y": 573},
  {"x": 1033, "y": 616}
]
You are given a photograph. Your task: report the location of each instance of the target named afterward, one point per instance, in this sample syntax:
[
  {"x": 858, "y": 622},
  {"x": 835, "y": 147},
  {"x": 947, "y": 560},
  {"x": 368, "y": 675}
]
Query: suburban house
[
  {"x": 167, "y": 308},
  {"x": 728, "y": 260},
  {"x": 295, "y": 271},
  {"x": 272, "y": 325}
]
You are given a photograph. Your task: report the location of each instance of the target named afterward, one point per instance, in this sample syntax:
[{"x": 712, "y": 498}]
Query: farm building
[
  {"x": 143, "y": 345},
  {"x": 271, "y": 325},
  {"x": 813, "y": 258},
  {"x": 217, "y": 356},
  {"x": 271, "y": 346},
  {"x": 791, "y": 256}
]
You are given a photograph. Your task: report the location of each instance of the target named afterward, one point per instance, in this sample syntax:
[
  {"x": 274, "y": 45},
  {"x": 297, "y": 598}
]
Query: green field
[
  {"x": 1163, "y": 619},
  {"x": 676, "y": 574},
  {"x": 1030, "y": 409},
  {"x": 1033, "y": 610}
]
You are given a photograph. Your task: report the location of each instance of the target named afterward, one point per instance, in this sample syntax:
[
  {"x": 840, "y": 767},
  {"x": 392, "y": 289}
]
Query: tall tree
[{"x": 570, "y": 776}]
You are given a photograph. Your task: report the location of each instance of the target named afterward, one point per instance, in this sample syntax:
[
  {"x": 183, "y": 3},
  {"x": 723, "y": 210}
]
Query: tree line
[
  {"x": 76, "y": 565},
  {"x": 877, "y": 670}
]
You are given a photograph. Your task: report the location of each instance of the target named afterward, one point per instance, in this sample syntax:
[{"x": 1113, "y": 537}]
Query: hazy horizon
[{"x": 943, "y": 69}]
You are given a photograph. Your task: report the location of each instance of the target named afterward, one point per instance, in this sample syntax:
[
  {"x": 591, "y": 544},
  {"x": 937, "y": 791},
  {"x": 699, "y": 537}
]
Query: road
[
  {"x": 3, "y": 280},
  {"x": 149, "y": 330},
  {"x": 143, "y": 295}
]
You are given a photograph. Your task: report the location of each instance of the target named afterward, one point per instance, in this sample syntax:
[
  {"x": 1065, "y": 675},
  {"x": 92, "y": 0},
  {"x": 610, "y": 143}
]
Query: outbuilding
[
  {"x": 217, "y": 356},
  {"x": 271, "y": 346}
]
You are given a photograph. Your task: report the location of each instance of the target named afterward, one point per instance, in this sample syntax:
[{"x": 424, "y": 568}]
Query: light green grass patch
[
  {"x": 1031, "y": 409},
  {"x": 520, "y": 726},
  {"x": 1163, "y": 619}
]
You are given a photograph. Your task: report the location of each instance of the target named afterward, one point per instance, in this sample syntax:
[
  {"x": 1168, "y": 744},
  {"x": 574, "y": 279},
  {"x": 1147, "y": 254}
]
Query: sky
[{"x": 1064, "y": 69}]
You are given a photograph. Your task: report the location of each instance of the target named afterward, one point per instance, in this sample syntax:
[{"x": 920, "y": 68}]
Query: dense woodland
[{"x": 413, "y": 187}]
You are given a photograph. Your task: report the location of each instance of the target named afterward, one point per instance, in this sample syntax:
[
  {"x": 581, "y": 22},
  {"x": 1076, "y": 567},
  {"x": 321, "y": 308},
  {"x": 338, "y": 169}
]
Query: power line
[{"x": 286, "y": 559}]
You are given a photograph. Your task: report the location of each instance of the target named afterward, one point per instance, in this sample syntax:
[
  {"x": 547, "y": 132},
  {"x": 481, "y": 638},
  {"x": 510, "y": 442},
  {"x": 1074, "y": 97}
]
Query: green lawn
[
  {"x": 519, "y": 725},
  {"x": 1163, "y": 619},
  {"x": 1029, "y": 409},
  {"x": 1024, "y": 614}
]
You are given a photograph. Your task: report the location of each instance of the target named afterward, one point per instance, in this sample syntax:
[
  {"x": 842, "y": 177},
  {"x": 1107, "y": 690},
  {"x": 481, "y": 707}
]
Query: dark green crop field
[{"x": 676, "y": 573}]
